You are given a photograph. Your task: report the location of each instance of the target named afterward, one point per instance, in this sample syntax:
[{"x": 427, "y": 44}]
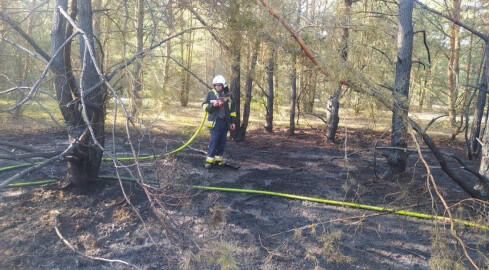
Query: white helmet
[{"x": 219, "y": 79}]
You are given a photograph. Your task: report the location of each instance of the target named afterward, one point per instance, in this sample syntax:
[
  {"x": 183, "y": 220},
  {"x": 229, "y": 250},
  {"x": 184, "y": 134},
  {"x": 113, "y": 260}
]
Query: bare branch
[
  {"x": 4, "y": 17},
  {"x": 299, "y": 40},
  {"x": 447, "y": 209},
  {"x": 466, "y": 27},
  {"x": 433, "y": 121},
  {"x": 66, "y": 152},
  {"x": 25, "y": 50},
  {"x": 144, "y": 52},
  {"x": 425, "y": 44},
  {"x": 30, "y": 155},
  {"x": 45, "y": 71},
  {"x": 189, "y": 71},
  {"x": 83, "y": 254},
  {"x": 443, "y": 163},
  {"x": 202, "y": 21},
  {"x": 18, "y": 146}
]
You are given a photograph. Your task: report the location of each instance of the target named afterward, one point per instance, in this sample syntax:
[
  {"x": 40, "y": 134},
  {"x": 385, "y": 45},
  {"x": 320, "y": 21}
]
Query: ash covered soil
[{"x": 186, "y": 228}]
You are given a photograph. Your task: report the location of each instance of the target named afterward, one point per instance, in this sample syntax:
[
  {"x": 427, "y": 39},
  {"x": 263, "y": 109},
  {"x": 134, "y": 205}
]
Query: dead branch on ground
[{"x": 69, "y": 245}]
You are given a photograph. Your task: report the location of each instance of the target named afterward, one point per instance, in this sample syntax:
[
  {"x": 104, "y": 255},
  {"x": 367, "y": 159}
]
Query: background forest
[{"x": 87, "y": 82}]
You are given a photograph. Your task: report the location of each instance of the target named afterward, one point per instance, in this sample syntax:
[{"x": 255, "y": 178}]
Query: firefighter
[{"x": 221, "y": 118}]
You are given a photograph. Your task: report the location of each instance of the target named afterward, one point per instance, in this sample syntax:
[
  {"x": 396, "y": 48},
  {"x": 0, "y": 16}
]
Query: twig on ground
[
  {"x": 30, "y": 155},
  {"x": 83, "y": 254},
  {"x": 18, "y": 146}
]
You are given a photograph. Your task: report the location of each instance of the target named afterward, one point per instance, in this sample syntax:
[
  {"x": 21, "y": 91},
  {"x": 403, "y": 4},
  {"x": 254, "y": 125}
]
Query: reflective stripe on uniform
[
  {"x": 210, "y": 160},
  {"x": 210, "y": 123},
  {"x": 233, "y": 114}
]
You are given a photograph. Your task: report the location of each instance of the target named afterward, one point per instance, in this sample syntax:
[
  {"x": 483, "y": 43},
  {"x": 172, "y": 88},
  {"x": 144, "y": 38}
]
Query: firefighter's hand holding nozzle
[{"x": 218, "y": 103}]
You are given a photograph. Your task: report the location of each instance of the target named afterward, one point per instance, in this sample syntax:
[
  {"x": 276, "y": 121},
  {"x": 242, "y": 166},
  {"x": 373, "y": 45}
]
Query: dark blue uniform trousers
[{"x": 218, "y": 138}]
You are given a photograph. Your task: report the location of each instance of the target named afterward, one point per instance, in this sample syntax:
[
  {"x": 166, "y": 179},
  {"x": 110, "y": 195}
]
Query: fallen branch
[
  {"x": 83, "y": 254},
  {"x": 66, "y": 152},
  {"x": 443, "y": 163},
  {"x": 30, "y": 155},
  {"x": 447, "y": 209},
  {"x": 18, "y": 146}
]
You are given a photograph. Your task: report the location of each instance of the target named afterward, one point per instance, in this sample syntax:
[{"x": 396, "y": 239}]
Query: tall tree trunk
[
  {"x": 293, "y": 93},
  {"x": 293, "y": 77},
  {"x": 270, "y": 92},
  {"x": 95, "y": 113},
  {"x": 453, "y": 65},
  {"x": 235, "y": 53},
  {"x": 333, "y": 101},
  {"x": 3, "y": 32},
  {"x": 27, "y": 65},
  {"x": 186, "y": 56},
  {"x": 397, "y": 159},
  {"x": 248, "y": 90},
  {"x": 473, "y": 144},
  {"x": 137, "y": 85},
  {"x": 308, "y": 90},
  {"x": 170, "y": 27},
  {"x": 484, "y": 166}
]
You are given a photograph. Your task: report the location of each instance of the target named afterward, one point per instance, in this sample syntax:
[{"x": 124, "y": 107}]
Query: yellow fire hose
[
  {"x": 262, "y": 192},
  {"x": 8, "y": 168},
  {"x": 302, "y": 198}
]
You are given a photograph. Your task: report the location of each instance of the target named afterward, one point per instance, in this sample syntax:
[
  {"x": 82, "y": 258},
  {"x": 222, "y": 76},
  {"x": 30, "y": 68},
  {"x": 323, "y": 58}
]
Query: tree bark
[
  {"x": 170, "y": 29},
  {"x": 27, "y": 65},
  {"x": 293, "y": 94},
  {"x": 397, "y": 159},
  {"x": 236, "y": 87},
  {"x": 484, "y": 166},
  {"x": 235, "y": 53},
  {"x": 85, "y": 163},
  {"x": 293, "y": 77},
  {"x": 270, "y": 92},
  {"x": 453, "y": 65},
  {"x": 137, "y": 84},
  {"x": 333, "y": 106},
  {"x": 473, "y": 146},
  {"x": 248, "y": 90}
]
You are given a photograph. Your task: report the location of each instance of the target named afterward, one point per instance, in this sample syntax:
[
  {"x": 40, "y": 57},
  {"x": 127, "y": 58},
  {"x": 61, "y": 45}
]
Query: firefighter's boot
[
  {"x": 209, "y": 161},
  {"x": 219, "y": 161}
]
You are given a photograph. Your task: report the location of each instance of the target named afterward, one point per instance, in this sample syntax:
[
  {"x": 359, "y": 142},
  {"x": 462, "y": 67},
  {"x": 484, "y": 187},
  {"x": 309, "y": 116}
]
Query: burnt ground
[{"x": 223, "y": 230}]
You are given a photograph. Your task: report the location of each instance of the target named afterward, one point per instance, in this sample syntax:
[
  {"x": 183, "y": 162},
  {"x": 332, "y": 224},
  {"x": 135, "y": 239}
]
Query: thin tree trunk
[
  {"x": 137, "y": 86},
  {"x": 333, "y": 101},
  {"x": 293, "y": 94},
  {"x": 169, "y": 32},
  {"x": 473, "y": 146},
  {"x": 453, "y": 66},
  {"x": 293, "y": 77},
  {"x": 308, "y": 90},
  {"x": 484, "y": 166},
  {"x": 270, "y": 92},
  {"x": 235, "y": 53},
  {"x": 27, "y": 65},
  {"x": 3, "y": 32},
  {"x": 397, "y": 159},
  {"x": 248, "y": 91}
]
